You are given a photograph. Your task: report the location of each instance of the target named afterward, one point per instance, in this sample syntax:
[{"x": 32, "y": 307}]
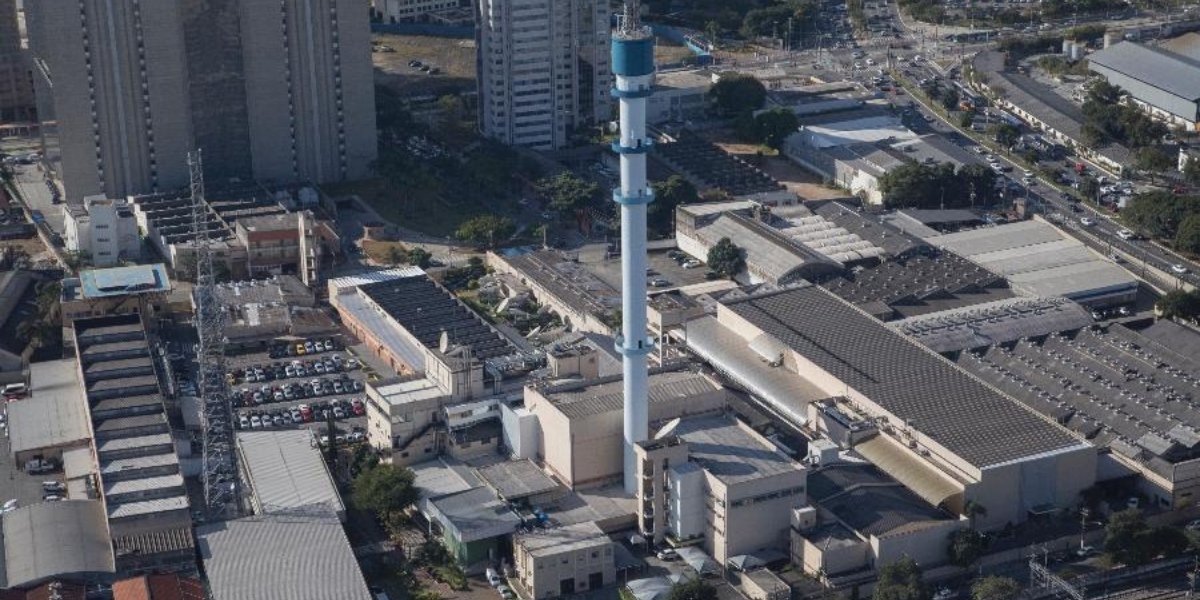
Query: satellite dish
[{"x": 668, "y": 429}]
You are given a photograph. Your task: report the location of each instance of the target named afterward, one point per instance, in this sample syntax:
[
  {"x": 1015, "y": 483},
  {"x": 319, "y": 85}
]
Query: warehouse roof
[
  {"x": 1039, "y": 260},
  {"x": 286, "y": 470},
  {"x": 379, "y": 326},
  {"x": 55, "y": 414},
  {"x": 730, "y": 451},
  {"x": 605, "y": 394},
  {"x": 980, "y": 425},
  {"x": 1156, "y": 67},
  {"x": 476, "y": 514},
  {"x": 517, "y": 479},
  {"x": 158, "y": 586},
  {"x": 277, "y": 557},
  {"x": 56, "y": 539},
  {"x": 561, "y": 540}
]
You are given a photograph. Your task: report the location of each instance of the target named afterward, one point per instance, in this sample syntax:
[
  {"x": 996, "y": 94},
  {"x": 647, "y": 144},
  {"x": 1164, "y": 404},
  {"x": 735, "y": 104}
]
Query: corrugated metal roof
[
  {"x": 146, "y": 507},
  {"x": 914, "y": 473},
  {"x": 277, "y": 557},
  {"x": 55, "y": 414},
  {"x": 286, "y": 470},
  {"x": 1155, "y": 67},
  {"x": 55, "y": 539},
  {"x": 561, "y": 540},
  {"x": 130, "y": 486}
]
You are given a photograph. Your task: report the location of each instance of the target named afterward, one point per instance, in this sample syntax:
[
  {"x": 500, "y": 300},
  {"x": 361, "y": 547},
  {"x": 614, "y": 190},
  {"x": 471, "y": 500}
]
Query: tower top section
[
  {"x": 629, "y": 23},
  {"x": 633, "y": 44}
]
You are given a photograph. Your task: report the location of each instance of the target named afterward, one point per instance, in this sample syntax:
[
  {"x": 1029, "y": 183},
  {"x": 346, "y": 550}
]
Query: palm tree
[{"x": 973, "y": 510}]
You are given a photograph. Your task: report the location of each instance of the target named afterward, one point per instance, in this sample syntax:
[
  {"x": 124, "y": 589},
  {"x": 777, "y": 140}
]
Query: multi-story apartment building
[
  {"x": 277, "y": 91},
  {"x": 406, "y": 11},
  {"x": 106, "y": 230},
  {"x": 543, "y": 69}
]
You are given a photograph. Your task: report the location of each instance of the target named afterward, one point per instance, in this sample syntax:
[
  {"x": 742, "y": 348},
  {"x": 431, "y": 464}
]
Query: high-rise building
[
  {"x": 278, "y": 91},
  {"x": 543, "y": 69},
  {"x": 16, "y": 86}
]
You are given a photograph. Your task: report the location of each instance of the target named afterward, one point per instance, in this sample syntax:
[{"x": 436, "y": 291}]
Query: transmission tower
[{"x": 220, "y": 488}]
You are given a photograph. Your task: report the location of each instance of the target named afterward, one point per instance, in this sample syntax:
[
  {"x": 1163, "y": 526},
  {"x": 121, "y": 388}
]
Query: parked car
[{"x": 667, "y": 554}]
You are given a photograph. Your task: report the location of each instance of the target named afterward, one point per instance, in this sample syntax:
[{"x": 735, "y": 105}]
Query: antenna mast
[{"x": 216, "y": 414}]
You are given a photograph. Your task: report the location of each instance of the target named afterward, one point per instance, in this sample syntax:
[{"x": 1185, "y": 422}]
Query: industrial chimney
[{"x": 633, "y": 65}]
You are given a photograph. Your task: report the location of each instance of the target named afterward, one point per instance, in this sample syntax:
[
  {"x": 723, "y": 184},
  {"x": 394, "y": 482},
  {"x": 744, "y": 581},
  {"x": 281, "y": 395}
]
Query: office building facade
[
  {"x": 543, "y": 69},
  {"x": 276, "y": 91}
]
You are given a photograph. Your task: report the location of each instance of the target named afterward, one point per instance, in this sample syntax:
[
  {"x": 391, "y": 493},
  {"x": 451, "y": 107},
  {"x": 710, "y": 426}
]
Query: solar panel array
[
  {"x": 917, "y": 387},
  {"x": 425, "y": 310},
  {"x": 715, "y": 167}
]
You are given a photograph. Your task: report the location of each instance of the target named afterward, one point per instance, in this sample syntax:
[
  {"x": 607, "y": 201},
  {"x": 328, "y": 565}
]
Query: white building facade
[
  {"x": 544, "y": 69},
  {"x": 105, "y": 230}
]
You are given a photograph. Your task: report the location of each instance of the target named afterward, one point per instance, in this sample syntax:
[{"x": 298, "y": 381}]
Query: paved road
[{"x": 31, "y": 183}]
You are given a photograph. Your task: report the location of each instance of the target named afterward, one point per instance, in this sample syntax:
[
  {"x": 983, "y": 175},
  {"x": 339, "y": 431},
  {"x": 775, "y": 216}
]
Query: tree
[
  {"x": 485, "y": 229},
  {"x": 1187, "y": 237},
  {"x": 1179, "y": 305},
  {"x": 995, "y": 587},
  {"x": 949, "y": 98},
  {"x": 973, "y": 510},
  {"x": 917, "y": 185},
  {"x": 773, "y": 126},
  {"x": 1131, "y": 541},
  {"x": 396, "y": 256},
  {"x": 1005, "y": 134},
  {"x": 966, "y": 546},
  {"x": 1152, "y": 160},
  {"x": 735, "y": 93},
  {"x": 1159, "y": 213},
  {"x": 419, "y": 257},
  {"x": 668, "y": 195},
  {"x": 693, "y": 589},
  {"x": 712, "y": 31},
  {"x": 714, "y": 195},
  {"x": 384, "y": 489},
  {"x": 966, "y": 118},
  {"x": 1191, "y": 170},
  {"x": 900, "y": 580},
  {"x": 725, "y": 258},
  {"x": 566, "y": 191}
]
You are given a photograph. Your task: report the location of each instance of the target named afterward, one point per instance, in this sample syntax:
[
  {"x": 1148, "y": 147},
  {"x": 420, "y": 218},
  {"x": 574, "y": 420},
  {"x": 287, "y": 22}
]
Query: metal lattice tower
[
  {"x": 220, "y": 489},
  {"x": 1042, "y": 578}
]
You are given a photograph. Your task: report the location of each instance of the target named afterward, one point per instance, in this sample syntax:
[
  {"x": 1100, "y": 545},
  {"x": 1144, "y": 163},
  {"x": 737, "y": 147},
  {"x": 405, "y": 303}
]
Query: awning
[
  {"x": 742, "y": 562},
  {"x": 652, "y": 588},
  {"x": 698, "y": 560},
  {"x": 915, "y": 474}
]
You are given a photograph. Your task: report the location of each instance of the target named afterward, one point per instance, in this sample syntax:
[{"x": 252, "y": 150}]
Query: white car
[
  {"x": 1125, "y": 234},
  {"x": 256, "y": 422},
  {"x": 667, "y": 554},
  {"x": 1179, "y": 269},
  {"x": 11, "y": 505},
  {"x": 1086, "y": 222},
  {"x": 1194, "y": 525},
  {"x": 944, "y": 594}
]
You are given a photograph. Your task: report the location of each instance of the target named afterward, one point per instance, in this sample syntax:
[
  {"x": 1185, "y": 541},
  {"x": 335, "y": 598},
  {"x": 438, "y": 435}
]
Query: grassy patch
[
  {"x": 419, "y": 210},
  {"x": 380, "y": 252}
]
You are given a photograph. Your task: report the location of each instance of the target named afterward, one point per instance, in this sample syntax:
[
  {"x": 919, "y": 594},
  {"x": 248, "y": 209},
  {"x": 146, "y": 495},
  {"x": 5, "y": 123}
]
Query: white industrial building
[
  {"x": 945, "y": 435},
  {"x": 1039, "y": 260},
  {"x": 543, "y": 69},
  {"x": 105, "y": 230},
  {"x": 285, "y": 472},
  {"x": 1163, "y": 79}
]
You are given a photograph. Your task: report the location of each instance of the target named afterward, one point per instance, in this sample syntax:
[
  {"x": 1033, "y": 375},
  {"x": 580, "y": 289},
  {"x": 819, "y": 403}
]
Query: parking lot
[
  {"x": 663, "y": 272},
  {"x": 282, "y": 388}
]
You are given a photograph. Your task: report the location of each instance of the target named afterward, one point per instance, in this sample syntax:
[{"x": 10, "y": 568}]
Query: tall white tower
[{"x": 633, "y": 66}]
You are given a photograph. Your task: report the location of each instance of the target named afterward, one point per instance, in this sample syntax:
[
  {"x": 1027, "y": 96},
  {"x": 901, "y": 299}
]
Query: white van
[
  {"x": 14, "y": 389},
  {"x": 493, "y": 577}
]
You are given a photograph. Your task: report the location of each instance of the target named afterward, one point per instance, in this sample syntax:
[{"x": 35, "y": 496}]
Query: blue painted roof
[{"x": 117, "y": 281}]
